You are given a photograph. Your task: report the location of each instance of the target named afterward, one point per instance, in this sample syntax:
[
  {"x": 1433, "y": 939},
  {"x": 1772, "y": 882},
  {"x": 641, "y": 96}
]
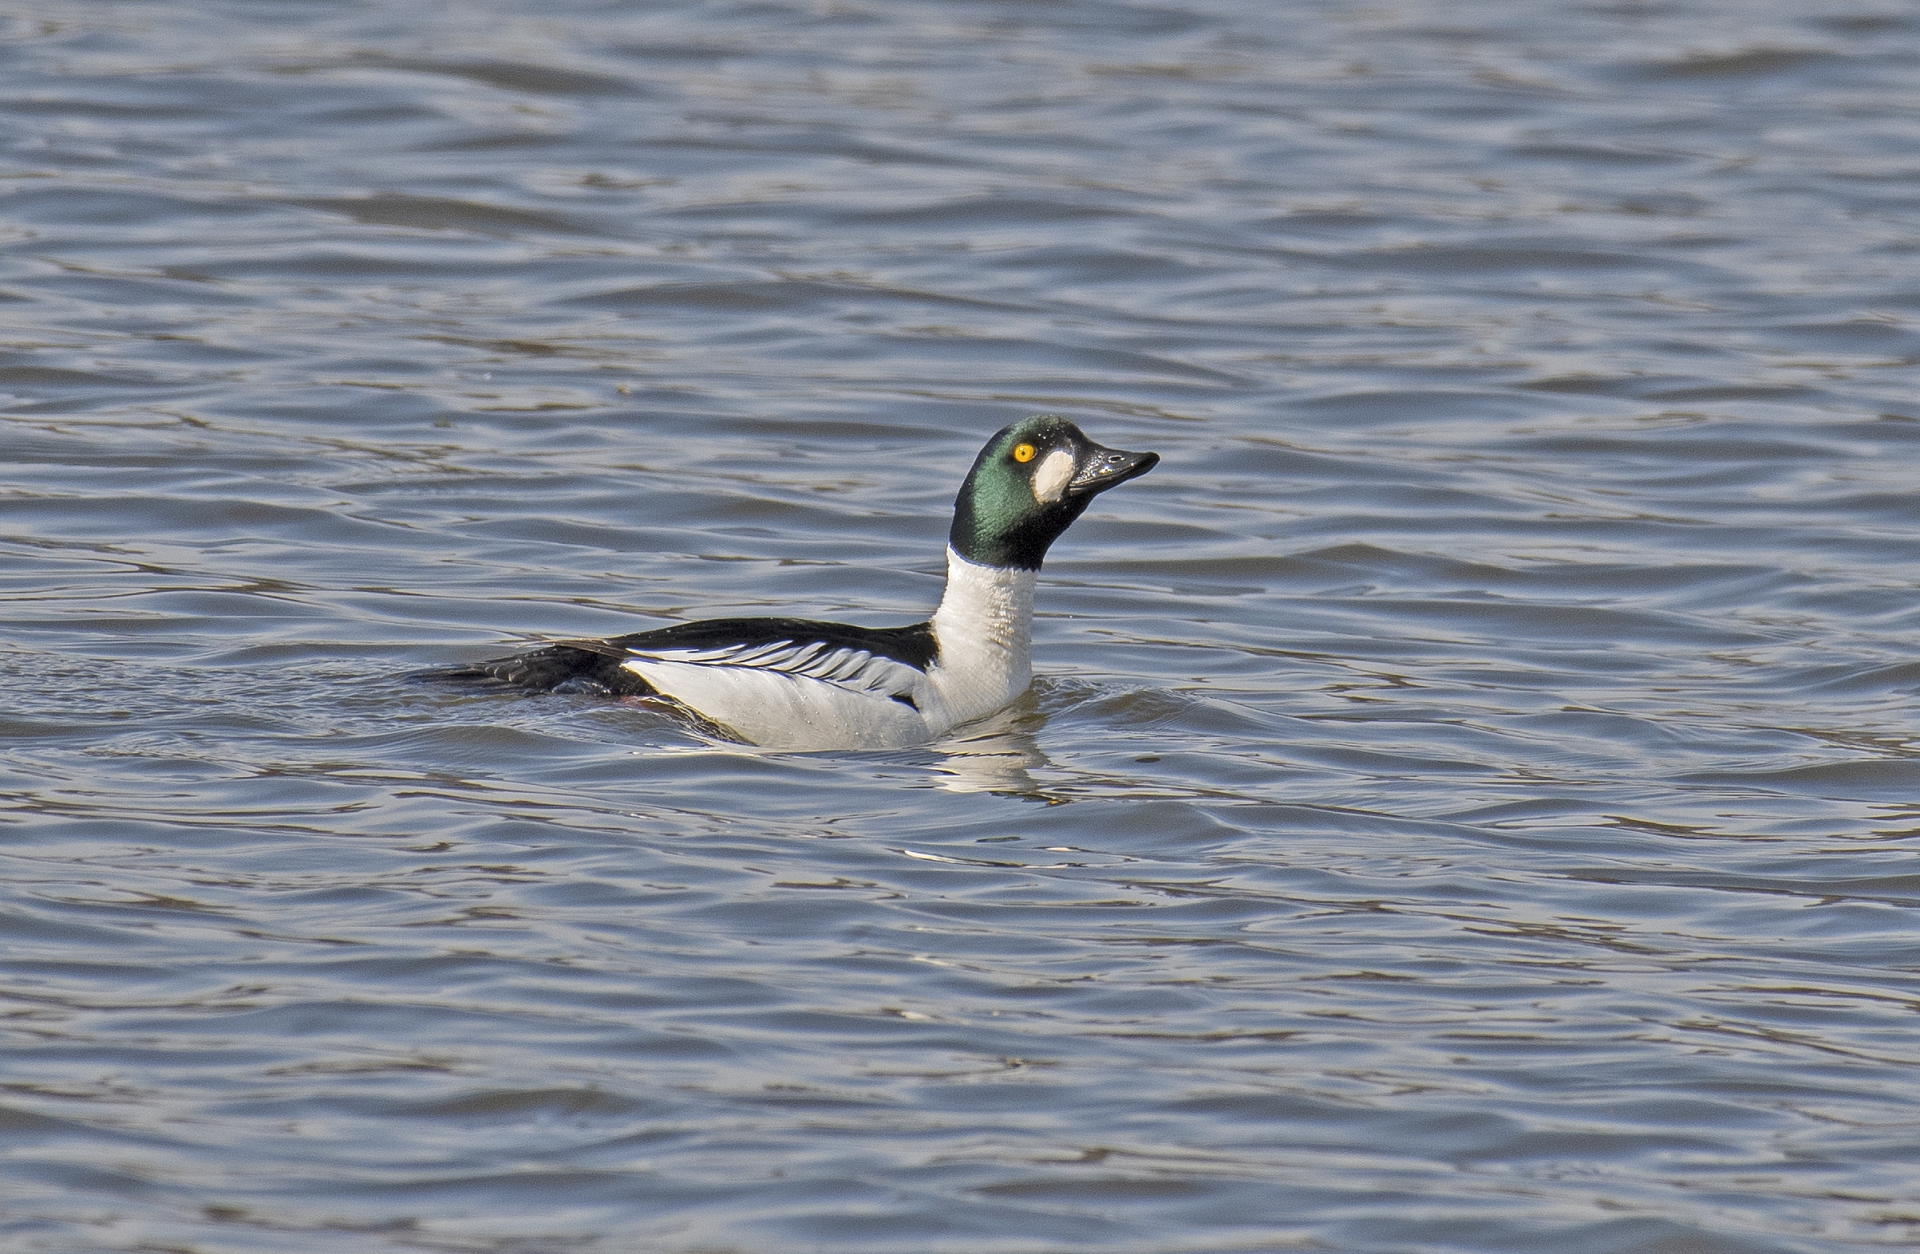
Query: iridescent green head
[{"x": 1028, "y": 485}]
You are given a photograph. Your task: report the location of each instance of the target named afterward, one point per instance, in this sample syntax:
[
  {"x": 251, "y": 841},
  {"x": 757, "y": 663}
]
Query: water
[{"x": 1469, "y": 802}]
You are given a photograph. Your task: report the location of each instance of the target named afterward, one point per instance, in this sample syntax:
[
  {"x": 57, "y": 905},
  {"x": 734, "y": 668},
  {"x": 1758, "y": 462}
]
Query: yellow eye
[{"x": 1023, "y": 452}]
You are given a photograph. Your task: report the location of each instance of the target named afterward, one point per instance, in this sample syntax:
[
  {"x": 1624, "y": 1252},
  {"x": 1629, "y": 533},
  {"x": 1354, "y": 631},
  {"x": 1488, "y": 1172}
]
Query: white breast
[{"x": 984, "y": 627}]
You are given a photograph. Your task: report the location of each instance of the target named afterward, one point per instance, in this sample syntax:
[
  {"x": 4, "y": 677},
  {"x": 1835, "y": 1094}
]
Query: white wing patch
[{"x": 853, "y": 669}]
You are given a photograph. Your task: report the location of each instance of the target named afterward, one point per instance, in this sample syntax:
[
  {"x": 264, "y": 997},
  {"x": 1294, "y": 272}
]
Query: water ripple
[{"x": 1467, "y": 799}]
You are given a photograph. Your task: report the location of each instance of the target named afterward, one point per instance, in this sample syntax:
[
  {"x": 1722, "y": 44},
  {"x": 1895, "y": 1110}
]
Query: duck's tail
[{"x": 555, "y": 668}]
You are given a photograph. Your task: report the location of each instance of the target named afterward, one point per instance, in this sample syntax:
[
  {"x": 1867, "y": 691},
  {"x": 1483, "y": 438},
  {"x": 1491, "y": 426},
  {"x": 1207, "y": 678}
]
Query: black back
[
  {"x": 596, "y": 666},
  {"x": 558, "y": 667}
]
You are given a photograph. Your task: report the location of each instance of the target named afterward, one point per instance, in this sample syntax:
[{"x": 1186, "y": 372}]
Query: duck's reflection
[
  {"x": 996, "y": 754},
  {"x": 996, "y": 759}
]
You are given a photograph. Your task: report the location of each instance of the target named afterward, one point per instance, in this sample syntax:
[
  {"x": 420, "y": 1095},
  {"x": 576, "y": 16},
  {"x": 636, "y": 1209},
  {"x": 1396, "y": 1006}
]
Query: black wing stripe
[
  {"x": 861, "y": 659},
  {"x": 847, "y": 667}
]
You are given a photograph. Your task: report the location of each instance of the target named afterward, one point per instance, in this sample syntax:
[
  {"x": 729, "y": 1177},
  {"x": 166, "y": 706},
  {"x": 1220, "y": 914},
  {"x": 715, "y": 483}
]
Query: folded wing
[{"x": 881, "y": 662}]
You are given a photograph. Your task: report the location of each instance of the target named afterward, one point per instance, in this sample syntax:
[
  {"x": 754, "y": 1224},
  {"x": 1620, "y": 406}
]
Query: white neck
[{"x": 985, "y": 630}]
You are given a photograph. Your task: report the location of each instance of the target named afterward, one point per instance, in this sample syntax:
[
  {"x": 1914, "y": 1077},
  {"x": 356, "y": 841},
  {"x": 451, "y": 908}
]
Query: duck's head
[{"x": 1028, "y": 485}]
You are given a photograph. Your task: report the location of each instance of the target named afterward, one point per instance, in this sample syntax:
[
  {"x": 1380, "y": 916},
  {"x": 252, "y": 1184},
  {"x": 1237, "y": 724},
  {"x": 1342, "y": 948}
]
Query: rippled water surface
[{"x": 1470, "y": 798}]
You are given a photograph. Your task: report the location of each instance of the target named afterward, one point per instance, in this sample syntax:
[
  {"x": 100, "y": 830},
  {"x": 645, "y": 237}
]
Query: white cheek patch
[{"x": 1050, "y": 480}]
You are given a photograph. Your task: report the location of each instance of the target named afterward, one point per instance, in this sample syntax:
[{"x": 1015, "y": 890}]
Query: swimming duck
[{"x": 795, "y": 684}]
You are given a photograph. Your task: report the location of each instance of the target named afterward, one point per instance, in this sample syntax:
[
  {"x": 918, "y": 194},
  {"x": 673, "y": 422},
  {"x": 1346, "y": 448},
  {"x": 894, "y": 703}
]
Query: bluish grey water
[{"x": 1469, "y": 802}]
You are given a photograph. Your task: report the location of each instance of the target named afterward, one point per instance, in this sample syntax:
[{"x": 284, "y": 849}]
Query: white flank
[{"x": 784, "y": 711}]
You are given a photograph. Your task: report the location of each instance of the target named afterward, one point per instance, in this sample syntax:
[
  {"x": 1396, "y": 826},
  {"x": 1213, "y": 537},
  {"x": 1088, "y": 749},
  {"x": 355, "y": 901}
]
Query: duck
[{"x": 798, "y": 684}]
